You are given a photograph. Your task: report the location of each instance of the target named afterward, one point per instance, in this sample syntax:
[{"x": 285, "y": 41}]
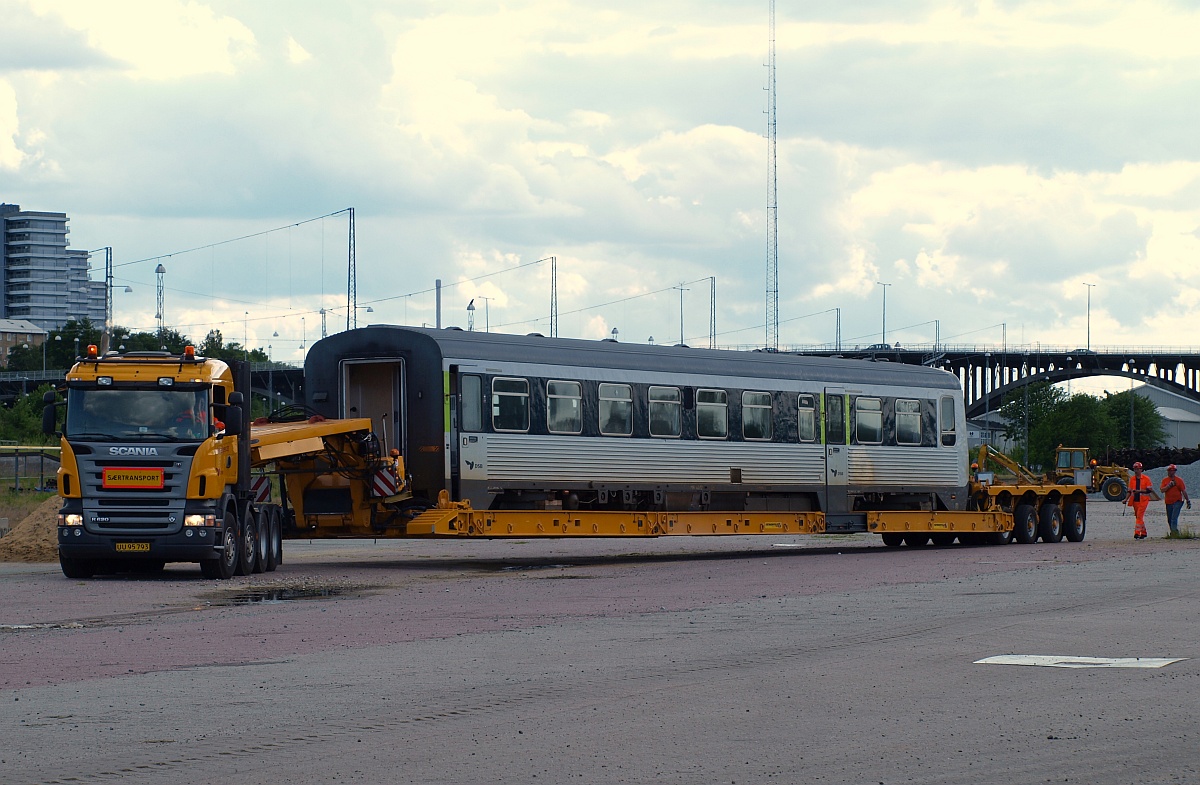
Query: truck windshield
[{"x": 124, "y": 414}]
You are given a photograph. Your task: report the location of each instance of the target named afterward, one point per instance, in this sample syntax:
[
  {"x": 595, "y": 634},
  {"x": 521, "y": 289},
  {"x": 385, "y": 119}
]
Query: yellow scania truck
[{"x": 157, "y": 451}]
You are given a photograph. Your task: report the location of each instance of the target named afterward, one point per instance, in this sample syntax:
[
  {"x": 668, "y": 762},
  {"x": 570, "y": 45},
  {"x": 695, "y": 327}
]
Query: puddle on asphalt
[
  {"x": 281, "y": 595},
  {"x": 276, "y": 594}
]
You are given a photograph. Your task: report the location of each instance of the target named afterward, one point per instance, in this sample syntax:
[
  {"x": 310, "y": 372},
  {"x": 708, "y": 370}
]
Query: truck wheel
[
  {"x": 247, "y": 543},
  {"x": 1113, "y": 489},
  {"x": 223, "y": 567},
  {"x": 893, "y": 539},
  {"x": 1025, "y": 524},
  {"x": 916, "y": 540},
  {"x": 1074, "y": 522},
  {"x": 943, "y": 538},
  {"x": 1050, "y": 523},
  {"x": 264, "y": 539},
  {"x": 273, "y": 535},
  {"x": 79, "y": 569}
]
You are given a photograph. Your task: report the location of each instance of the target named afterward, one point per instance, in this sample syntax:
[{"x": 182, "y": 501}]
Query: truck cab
[{"x": 150, "y": 468}]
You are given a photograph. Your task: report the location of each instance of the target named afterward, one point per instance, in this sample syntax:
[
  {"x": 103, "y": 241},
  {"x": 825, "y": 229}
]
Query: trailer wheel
[
  {"x": 1050, "y": 523},
  {"x": 247, "y": 542},
  {"x": 1113, "y": 489},
  {"x": 893, "y": 539},
  {"x": 78, "y": 569},
  {"x": 1025, "y": 524},
  {"x": 1074, "y": 522},
  {"x": 943, "y": 538},
  {"x": 916, "y": 540},
  {"x": 999, "y": 538},
  {"x": 225, "y": 564}
]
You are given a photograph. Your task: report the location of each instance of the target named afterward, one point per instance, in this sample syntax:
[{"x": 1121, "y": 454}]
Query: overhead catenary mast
[{"x": 772, "y": 310}]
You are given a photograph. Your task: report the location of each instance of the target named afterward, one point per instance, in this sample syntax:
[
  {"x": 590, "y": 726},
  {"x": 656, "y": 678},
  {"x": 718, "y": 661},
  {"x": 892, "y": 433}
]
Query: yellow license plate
[{"x": 135, "y": 547}]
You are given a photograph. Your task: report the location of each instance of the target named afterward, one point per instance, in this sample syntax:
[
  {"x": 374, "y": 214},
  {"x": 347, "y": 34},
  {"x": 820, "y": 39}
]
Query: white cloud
[
  {"x": 11, "y": 156},
  {"x": 158, "y": 39},
  {"x": 297, "y": 53}
]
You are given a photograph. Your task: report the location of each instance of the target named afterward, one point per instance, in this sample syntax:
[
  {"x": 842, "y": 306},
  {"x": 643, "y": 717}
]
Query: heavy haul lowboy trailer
[{"x": 440, "y": 433}]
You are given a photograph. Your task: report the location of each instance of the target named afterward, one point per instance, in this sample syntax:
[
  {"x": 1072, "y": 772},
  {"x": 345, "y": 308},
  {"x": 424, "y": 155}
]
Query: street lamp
[
  {"x": 883, "y": 333},
  {"x": 76, "y": 347},
  {"x": 1090, "y": 286},
  {"x": 987, "y": 399}
]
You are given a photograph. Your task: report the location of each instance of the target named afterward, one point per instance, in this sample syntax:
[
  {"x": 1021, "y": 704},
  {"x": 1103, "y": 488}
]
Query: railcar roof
[{"x": 380, "y": 340}]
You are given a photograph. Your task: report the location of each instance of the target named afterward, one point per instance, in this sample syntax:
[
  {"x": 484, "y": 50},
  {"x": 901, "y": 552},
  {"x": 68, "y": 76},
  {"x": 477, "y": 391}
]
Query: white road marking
[{"x": 1050, "y": 661}]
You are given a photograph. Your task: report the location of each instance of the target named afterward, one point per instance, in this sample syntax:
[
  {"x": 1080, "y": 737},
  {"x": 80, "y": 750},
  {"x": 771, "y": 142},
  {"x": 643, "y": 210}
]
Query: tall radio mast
[{"x": 772, "y": 201}]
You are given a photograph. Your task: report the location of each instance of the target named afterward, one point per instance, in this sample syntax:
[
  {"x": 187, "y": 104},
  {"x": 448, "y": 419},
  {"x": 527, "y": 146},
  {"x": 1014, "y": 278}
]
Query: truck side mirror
[
  {"x": 48, "y": 415},
  {"x": 233, "y": 420},
  {"x": 234, "y": 423}
]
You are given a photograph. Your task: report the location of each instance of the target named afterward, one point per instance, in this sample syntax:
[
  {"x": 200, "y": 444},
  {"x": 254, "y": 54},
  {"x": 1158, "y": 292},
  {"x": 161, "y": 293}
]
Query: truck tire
[
  {"x": 78, "y": 569},
  {"x": 999, "y": 538},
  {"x": 247, "y": 542},
  {"x": 1113, "y": 489},
  {"x": 225, "y": 564},
  {"x": 893, "y": 539},
  {"x": 1074, "y": 522},
  {"x": 1050, "y": 523},
  {"x": 1025, "y": 524},
  {"x": 916, "y": 540},
  {"x": 943, "y": 539},
  {"x": 273, "y": 532},
  {"x": 264, "y": 539}
]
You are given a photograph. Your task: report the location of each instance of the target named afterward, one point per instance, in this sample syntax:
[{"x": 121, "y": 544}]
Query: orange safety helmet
[
  {"x": 1137, "y": 465},
  {"x": 1171, "y": 468}
]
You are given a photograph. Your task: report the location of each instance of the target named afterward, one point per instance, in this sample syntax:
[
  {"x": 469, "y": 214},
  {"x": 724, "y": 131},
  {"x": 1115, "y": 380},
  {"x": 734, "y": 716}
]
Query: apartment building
[{"x": 44, "y": 281}]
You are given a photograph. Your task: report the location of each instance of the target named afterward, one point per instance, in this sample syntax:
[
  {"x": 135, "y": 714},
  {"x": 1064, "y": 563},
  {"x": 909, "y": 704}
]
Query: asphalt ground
[{"x": 679, "y": 660}]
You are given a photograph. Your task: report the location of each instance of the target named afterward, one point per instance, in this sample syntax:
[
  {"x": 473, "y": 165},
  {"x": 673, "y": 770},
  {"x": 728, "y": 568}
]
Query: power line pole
[
  {"x": 351, "y": 279},
  {"x": 712, "y": 312},
  {"x": 772, "y": 199},
  {"x": 161, "y": 272}
]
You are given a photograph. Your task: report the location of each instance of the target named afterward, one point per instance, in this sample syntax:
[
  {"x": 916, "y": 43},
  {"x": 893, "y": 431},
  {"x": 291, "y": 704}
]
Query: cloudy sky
[{"x": 986, "y": 159}]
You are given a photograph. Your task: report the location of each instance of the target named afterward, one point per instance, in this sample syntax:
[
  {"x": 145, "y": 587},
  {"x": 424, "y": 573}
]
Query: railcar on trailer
[{"x": 525, "y": 422}]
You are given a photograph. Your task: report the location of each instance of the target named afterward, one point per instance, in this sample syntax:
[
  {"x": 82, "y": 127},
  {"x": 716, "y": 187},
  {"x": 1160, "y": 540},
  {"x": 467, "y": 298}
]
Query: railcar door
[
  {"x": 468, "y": 439},
  {"x": 833, "y": 416},
  {"x": 372, "y": 388}
]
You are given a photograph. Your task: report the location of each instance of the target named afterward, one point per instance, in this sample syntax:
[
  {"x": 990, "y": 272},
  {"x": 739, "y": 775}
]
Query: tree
[
  {"x": 1148, "y": 430},
  {"x": 214, "y": 346},
  {"x": 22, "y": 422},
  {"x": 1023, "y": 410}
]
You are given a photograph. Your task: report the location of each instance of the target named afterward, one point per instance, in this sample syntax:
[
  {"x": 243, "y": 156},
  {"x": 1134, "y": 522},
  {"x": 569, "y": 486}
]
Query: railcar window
[
  {"x": 868, "y": 421},
  {"x": 712, "y": 414},
  {"x": 835, "y": 419},
  {"x": 756, "y": 415},
  {"x": 908, "y": 422},
  {"x": 806, "y": 418},
  {"x": 471, "y": 391},
  {"x": 616, "y": 409},
  {"x": 666, "y": 415},
  {"x": 947, "y": 416},
  {"x": 510, "y": 404},
  {"x": 563, "y": 410}
]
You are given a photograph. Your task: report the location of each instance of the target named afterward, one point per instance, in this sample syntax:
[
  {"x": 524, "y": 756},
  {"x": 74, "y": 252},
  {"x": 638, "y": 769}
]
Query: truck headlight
[
  {"x": 70, "y": 519},
  {"x": 200, "y": 520}
]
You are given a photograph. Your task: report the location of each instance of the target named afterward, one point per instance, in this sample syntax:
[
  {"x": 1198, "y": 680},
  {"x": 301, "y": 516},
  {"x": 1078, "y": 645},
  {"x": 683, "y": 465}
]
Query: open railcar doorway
[{"x": 374, "y": 388}]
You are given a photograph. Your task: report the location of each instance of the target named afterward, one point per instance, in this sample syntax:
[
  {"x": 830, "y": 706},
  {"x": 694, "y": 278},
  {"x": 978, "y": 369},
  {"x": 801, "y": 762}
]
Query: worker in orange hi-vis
[
  {"x": 1141, "y": 491},
  {"x": 1174, "y": 495}
]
